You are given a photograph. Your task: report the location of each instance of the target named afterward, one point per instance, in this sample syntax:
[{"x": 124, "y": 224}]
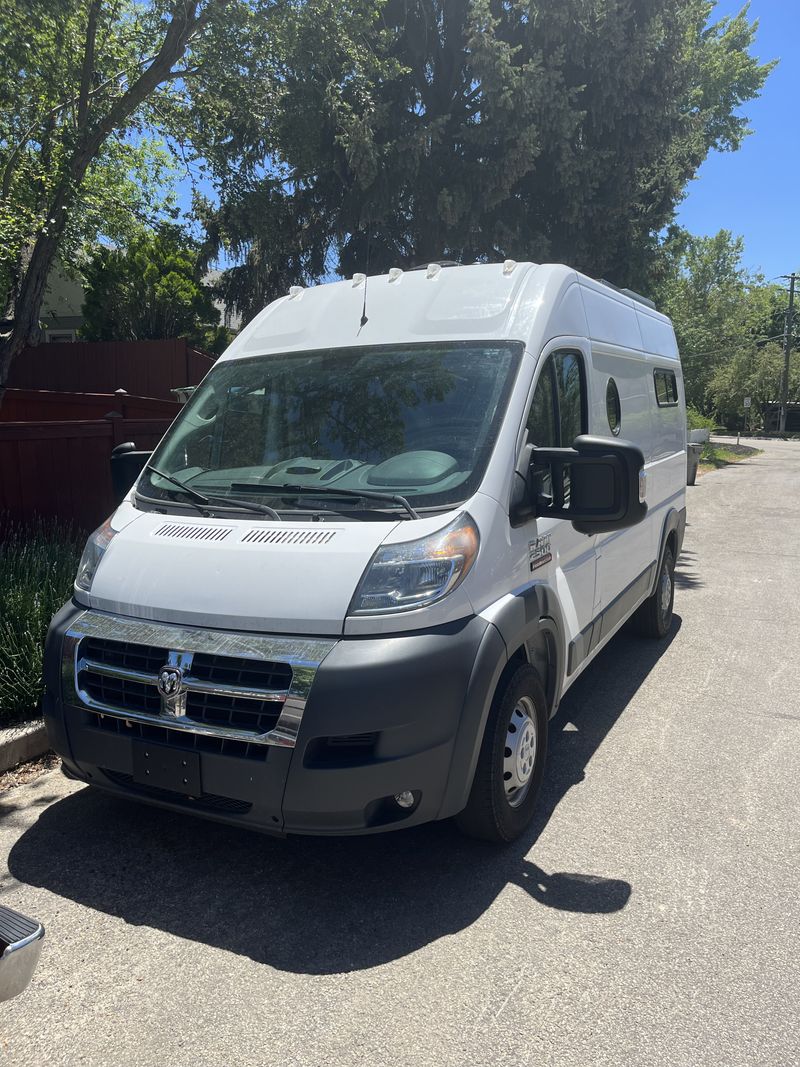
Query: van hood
[{"x": 275, "y": 577}]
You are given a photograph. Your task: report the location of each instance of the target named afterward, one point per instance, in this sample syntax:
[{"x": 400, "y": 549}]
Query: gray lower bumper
[{"x": 384, "y": 716}]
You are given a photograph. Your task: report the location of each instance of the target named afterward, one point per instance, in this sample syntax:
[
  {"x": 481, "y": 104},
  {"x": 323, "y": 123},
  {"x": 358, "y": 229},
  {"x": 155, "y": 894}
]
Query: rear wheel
[
  {"x": 654, "y": 617},
  {"x": 511, "y": 761}
]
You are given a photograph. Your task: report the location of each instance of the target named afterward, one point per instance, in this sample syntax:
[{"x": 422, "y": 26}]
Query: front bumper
[{"x": 384, "y": 715}]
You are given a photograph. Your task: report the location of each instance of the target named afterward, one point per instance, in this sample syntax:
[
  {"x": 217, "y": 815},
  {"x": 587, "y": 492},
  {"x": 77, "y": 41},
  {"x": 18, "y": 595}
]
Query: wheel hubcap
[
  {"x": 519, "y": 755},
  {"x": 666, "y": 590}
]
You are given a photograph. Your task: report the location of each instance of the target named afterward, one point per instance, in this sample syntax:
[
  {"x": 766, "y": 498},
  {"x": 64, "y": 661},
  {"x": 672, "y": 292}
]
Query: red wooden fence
[
  {"x": 143, "y": 368},
  {"x": 62, "y": 469}
]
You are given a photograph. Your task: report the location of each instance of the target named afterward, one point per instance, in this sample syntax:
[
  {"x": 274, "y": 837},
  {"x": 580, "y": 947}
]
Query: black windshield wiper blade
[
  {"x": 330, "y": 490},
  {"x": 201, "y": 498}
]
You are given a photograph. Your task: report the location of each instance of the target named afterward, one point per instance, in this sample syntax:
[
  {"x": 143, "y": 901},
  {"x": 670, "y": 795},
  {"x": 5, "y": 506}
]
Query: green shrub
[
  {"x": 696, "y": 421},
  {"x": 38, "y": 563}
]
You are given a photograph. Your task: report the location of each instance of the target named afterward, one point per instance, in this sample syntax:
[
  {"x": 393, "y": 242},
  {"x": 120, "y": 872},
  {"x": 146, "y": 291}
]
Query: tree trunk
[{"x": 28, "y": 303}]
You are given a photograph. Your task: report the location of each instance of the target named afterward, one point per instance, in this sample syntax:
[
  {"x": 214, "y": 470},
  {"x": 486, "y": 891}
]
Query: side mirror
[
  {"x": 20, "y": 948},
  {"x": 595, "y": 484},
  {"x": 126, "y": 466}
]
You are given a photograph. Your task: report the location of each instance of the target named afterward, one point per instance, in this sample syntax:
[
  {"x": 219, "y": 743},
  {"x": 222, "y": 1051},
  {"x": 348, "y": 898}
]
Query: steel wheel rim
[
  {"x": 519, "y": 754},
  {"x": 666, "y": 591}
]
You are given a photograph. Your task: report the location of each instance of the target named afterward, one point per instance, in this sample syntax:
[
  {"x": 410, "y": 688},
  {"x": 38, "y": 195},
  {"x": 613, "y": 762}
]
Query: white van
[{"x": 393, "y": 525}]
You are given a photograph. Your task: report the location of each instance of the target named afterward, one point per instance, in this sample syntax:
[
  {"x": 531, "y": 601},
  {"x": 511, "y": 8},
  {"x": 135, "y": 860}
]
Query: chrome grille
[{"x": 245, "y": 689}]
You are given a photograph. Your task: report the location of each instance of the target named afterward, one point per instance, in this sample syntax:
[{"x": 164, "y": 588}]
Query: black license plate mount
[{"x": 164, "y": 767}]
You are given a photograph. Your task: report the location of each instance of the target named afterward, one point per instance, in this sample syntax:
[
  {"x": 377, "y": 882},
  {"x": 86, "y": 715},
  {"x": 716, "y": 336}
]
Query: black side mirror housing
[
  {"x": 600, "y": 493},
  {"x": 126, "y": 466}
]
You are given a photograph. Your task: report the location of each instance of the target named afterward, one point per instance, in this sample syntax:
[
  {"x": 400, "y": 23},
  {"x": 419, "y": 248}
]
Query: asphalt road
[{"x": 652, "y": 916}]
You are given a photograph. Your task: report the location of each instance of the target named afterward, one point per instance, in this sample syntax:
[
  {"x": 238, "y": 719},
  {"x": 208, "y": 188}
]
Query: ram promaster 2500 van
[{"x": 392, "y": 526}]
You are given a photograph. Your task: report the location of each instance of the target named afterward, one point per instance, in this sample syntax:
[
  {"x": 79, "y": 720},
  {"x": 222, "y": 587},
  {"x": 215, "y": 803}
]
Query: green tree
[
  {"x": 475, "y": 128},
  {"x": 150, "y": 290},
  {"x": 82, "y": 83},
  {"x": 723, "y": 317}
]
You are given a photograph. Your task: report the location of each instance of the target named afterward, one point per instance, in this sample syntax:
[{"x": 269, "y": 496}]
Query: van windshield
[{"x": 418, "y": 421}]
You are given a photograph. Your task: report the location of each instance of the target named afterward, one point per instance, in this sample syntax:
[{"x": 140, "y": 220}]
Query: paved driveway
[{"x": 652, "y": 916}]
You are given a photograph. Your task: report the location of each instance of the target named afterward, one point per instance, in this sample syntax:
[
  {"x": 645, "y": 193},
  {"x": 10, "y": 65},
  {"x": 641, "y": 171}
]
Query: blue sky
[{"x": 755, "y": 192}]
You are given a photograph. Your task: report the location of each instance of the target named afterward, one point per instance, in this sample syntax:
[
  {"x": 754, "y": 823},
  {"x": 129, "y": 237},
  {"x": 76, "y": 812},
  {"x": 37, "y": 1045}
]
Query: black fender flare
[
  {"x": 531, "y": 611},
  {"x": 674, "y": 522}
]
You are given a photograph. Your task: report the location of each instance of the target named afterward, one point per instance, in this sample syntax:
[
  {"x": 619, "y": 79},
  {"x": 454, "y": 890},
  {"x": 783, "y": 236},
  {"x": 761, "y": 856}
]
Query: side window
[
  {"x": 557, "y": 414},
  {"x": 666, "y": 388},
  {"x": 543, "y": 420},
  {"x": 571, "y": 395},
  {"x": 542, "y": 425}
]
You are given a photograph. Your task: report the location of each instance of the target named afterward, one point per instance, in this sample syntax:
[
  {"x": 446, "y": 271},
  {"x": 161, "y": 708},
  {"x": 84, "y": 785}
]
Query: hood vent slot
[
  {"x": 193, "y": 532},
  {"x": 273, "y": 536}
]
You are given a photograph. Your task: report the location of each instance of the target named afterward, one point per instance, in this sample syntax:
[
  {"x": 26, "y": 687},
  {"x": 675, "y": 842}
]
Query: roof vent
[
  {"x": 295, "y": 291},
  {"x": 358, "y": 279},
  {"x": 192, "y": 531},
  {"x": 508, "y": 266},
  {"x": 433, "y": 270},
  {"x": 395, "y": 274}
]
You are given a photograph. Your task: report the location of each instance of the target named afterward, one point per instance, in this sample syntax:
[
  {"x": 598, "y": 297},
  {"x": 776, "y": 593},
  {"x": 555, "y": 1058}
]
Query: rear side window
[{"x": 666, "y": 388}]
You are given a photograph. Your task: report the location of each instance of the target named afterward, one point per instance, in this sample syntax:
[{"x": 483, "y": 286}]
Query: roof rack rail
[{"x": 630, "y": 293}]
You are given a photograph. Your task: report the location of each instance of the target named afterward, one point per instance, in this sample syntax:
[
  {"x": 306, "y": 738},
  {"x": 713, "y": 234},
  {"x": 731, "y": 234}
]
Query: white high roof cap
[{"x": 480, "y": 302}]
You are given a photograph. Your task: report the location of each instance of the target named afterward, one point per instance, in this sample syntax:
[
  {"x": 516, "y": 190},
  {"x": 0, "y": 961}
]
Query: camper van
[{"x": 396, "y": 521}]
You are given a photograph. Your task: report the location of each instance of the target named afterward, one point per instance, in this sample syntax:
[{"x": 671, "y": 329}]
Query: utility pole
[{"x": 787, "y": 348}]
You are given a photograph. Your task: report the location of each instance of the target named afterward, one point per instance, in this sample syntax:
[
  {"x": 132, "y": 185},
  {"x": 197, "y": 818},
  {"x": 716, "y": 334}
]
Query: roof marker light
[
  {"x": 508, "y": 266},
  {"x": 394, "y": 274},
  {"x": 358, "y": 279},
  {"x": 295, "y": 291},
  {"x": 433, "y": 270}
]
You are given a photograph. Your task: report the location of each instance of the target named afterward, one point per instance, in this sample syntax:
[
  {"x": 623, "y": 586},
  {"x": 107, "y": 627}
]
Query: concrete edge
[{"x": 20, "y": 743}]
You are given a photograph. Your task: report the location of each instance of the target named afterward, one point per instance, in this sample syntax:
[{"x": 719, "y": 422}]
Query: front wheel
[{"x": 511, "y": 761}]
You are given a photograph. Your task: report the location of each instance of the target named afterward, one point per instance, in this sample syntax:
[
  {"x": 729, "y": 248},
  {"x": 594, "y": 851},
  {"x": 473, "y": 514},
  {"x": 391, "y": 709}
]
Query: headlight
[
  {"x": 92, "y": 554},
  {"x": 417, "y": 573}
]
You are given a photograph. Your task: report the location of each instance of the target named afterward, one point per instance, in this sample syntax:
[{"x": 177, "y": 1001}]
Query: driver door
[{"x": 557, "y": 554}]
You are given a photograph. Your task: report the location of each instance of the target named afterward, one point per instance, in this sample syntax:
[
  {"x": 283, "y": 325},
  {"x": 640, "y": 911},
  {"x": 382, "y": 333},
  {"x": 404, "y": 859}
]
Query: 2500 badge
[{"x": 539, "y": 552}]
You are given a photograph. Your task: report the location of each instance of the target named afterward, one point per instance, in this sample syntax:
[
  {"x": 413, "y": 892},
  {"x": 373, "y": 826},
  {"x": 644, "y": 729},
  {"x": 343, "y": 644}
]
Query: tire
[
  {"x": 654, "y": 617},
  {"x": 511, "y": 762}
]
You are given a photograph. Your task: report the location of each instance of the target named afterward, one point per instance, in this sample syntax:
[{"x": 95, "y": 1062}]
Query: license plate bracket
[{"x": 164, "y": 767}]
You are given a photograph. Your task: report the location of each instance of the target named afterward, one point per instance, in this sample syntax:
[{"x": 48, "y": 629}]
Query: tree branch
[{"x": 88, "y": 63}]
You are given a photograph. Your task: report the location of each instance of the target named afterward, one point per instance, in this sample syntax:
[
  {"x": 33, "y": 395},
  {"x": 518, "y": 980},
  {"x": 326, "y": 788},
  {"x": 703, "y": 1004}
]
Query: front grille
[
  {"x": 246, "y": 673},
  {"x": 231, "y": 693},
  {"x": 206, "y": 801},
  {"x": 120, "y": 692},
  {"x": 207, "y": 676},
  {"x": 124, "y": 654}
]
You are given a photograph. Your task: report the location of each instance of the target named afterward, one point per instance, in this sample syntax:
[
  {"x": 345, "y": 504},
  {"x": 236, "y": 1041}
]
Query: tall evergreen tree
[{"x": 480, "y": 129}]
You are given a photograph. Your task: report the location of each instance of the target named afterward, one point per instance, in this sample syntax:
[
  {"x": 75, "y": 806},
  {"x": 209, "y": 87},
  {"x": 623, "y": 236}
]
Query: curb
[{"x": 21, "y": 743}]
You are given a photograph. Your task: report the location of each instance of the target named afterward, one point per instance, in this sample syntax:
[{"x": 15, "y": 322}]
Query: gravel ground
[{"x": 650, "y": 917}]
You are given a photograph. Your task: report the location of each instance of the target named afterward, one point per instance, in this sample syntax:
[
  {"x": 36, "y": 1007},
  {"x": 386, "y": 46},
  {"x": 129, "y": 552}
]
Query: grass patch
[
  {"x": 38, "y": 563},
  {"x": 715, "y": 456}
]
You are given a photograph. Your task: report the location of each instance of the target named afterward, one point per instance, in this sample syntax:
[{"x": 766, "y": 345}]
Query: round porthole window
[{"x": 613, "y": 410}]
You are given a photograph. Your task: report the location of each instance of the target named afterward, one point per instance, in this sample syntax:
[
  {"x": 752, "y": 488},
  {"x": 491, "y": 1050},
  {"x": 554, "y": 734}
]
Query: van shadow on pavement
[{"x": 326, "y": 905}]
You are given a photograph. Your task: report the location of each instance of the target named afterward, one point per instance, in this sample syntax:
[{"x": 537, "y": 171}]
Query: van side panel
[{"x": 625, "y": 554}]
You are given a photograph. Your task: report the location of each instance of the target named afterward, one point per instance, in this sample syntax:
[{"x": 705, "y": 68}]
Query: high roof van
[{"x": 396, "y": 521}]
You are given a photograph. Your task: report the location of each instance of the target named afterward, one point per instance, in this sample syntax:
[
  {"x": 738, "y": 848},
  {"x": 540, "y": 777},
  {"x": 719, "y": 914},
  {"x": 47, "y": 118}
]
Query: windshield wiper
[
  {"x": 328, "y": 490},
  {"x": 200, "y": 498}
]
